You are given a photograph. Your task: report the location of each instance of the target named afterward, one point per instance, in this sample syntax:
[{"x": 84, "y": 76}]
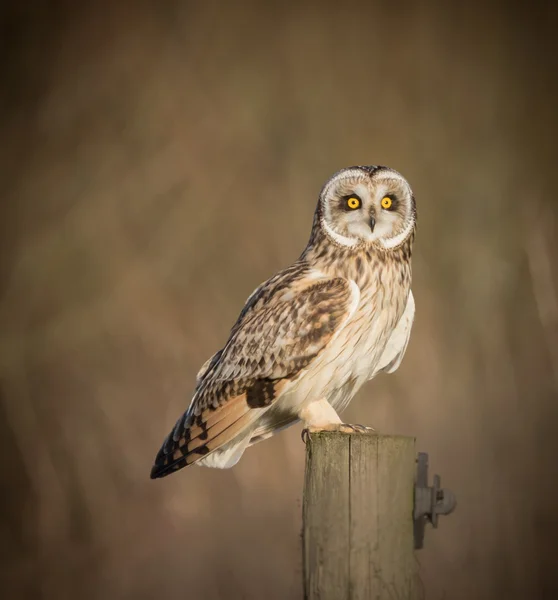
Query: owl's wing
[
  {"x": 279, "y": 333},
  {"x": 206, "y": 366},
  {"x": 399, "y": 339}
]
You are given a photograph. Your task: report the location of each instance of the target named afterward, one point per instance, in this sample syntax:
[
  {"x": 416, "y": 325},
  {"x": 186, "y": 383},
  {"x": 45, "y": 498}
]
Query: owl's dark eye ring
[
  {"x": 388, "y": 202},
  {"x": 352, "y": 202}
]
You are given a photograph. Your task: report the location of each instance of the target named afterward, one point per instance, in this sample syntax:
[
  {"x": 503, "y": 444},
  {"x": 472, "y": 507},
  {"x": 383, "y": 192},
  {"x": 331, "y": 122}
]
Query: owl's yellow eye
[
  {"x": 386, "y": 202},
  {"x": 353, "y": 203}
]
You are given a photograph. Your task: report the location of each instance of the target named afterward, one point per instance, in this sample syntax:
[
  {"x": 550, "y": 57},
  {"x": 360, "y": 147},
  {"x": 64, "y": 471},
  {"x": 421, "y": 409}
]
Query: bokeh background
[{"x": 161, "y": 159}]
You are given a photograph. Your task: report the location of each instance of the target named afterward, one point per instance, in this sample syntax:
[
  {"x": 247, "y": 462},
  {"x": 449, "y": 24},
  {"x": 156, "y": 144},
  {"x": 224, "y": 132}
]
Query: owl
[{"x": 310, "y": 336}]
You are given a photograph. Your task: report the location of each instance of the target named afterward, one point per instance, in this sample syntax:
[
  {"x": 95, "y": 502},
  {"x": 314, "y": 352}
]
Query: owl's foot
[
  {"x": 341, "y": 427},
  {"x": 319, "y": 415},
  {"x": 355, "y": 428}
]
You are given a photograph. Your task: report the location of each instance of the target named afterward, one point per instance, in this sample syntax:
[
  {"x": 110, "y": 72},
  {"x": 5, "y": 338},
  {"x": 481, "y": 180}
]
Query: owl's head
[{"x": 367, "y": 205}]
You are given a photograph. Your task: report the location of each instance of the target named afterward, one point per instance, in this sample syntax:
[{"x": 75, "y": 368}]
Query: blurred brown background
[{"x": 158, "y": 161}]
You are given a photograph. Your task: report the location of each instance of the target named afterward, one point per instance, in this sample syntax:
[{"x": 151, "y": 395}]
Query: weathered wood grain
[{"x": 357, "y": 517}]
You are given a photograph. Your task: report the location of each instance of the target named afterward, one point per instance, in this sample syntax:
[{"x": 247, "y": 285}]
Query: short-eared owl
[{"x": 309, "y": 337}]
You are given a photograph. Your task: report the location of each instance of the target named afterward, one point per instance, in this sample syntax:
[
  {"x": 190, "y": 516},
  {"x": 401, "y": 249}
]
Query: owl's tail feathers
[{"x": 194, "y": 437}]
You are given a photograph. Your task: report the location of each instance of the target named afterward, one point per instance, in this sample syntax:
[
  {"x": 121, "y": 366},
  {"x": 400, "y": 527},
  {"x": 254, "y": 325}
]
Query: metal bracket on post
[{"x": 430, "y": 501}]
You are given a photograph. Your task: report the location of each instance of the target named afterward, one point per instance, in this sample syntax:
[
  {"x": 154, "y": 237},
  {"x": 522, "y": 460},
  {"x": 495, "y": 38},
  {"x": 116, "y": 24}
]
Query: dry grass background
[{"x": 158, "y": 161}]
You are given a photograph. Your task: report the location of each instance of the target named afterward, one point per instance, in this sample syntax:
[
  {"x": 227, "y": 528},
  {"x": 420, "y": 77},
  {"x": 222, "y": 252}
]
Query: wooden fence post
[{"x": 358, "y": 517}]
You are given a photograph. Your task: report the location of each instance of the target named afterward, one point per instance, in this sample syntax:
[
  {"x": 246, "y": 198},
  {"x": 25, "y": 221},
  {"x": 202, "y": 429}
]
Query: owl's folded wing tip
[
  {"x": 162, "y": 465},
  {"x": 155, "y": 472}
]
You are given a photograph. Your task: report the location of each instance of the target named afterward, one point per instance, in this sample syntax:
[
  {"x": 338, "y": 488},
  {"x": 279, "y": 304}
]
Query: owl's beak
[{"x": 372, "y": 222}]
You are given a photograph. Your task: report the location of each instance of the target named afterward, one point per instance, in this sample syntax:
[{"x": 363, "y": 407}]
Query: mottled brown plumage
[{"x": 309, "y": 337}]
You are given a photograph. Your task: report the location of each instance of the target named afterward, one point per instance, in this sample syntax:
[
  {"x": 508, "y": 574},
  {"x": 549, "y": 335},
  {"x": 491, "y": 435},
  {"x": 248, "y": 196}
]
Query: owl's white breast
[{"x": 363, "y": 344}]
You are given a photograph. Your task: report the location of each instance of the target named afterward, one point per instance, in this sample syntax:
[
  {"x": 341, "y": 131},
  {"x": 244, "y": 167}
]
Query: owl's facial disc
[{"x": 368, "y": 205}]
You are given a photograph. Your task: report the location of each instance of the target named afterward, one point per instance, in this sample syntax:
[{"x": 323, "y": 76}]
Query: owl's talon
[
  {"x": 305, "y": 434},
  {"x": 355, "y": 428}
]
